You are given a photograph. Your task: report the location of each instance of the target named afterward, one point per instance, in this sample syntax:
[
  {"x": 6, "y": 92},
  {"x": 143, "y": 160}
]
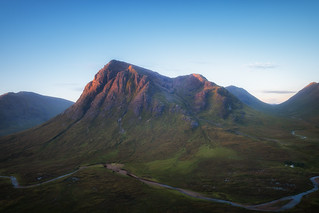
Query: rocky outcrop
[{"x": 115, "y": 85}]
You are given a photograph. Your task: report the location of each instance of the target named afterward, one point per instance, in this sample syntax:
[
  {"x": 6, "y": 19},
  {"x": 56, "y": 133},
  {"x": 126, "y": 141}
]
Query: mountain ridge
[
  {"x": 247, "y": 98},
  {"x": 303, "y": 105},
  {"x": 119, "y": 81}
]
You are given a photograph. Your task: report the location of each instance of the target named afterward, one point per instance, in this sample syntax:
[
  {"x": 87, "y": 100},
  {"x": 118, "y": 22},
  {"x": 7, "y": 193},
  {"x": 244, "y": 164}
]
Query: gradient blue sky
[{"x": 52, "y": 47}]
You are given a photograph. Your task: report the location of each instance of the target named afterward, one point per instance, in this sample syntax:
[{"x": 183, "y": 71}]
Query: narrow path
[{"x": 274, "y": 206}]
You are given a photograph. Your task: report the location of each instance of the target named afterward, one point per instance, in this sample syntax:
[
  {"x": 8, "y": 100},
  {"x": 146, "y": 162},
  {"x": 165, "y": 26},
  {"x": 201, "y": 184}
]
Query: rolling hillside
[
  {"x": 249, "y": 99},
  {"x": 23, "y": 110}
]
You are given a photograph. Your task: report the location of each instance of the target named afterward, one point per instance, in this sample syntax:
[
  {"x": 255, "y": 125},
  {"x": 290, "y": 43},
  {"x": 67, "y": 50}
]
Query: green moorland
[
  {"x": 247, "y": 163},
  {"x": 99, "y": 190}
]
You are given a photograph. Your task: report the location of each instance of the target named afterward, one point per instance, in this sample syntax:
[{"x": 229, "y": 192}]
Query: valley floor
[{"x": 284, "y": 203}]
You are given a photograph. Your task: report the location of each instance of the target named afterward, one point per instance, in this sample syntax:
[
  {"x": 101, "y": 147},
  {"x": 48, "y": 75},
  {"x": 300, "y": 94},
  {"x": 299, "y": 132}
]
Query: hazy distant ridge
[
  {"x": 303, "y": 105},
  {"x": 23, "y": 110}
]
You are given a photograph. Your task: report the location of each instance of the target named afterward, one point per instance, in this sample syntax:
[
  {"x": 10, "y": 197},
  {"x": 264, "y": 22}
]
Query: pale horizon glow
[{"x": 268, "y": 47}]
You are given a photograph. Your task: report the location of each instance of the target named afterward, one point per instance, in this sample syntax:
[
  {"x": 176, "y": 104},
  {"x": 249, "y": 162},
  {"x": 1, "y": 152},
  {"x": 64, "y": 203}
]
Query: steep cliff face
[
  {"x": 117, "y": 86},
  {"x": 206, "y": 97}
]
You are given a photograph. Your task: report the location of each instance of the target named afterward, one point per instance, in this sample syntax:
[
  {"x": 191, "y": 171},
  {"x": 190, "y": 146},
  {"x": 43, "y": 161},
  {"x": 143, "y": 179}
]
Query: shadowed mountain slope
[
  {"x": 305, "y": 104},
  {"x": 249, "y": 99},
  {"x": 23, "y": 110}
]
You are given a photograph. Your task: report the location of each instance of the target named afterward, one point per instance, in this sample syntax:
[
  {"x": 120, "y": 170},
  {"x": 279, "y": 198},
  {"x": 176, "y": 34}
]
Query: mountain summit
[{"x": 120, "y": 88}]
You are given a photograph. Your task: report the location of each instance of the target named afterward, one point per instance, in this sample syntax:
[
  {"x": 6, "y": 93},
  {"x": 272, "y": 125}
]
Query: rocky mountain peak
[
  {"x": 120, "y": 87},
  {"x": 199, "y": 77},
  {"x": 312, "y": 85},
  {"x": 116, "y": 84}
]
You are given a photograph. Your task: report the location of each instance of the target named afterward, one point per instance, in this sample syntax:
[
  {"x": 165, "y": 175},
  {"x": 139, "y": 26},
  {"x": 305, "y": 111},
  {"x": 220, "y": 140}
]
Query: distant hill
[
  {"x": 23, "y": 110},
  {"x": 304, "y": 105},
  {"x": 249, "y": 99}
]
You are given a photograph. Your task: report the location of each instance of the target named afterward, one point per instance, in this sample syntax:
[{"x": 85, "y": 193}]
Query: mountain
[
  {"x": 23, "y": 110},
  {"x": 248, "y": 98},
  {"x": 304, "y": 104},
  {"x": 186, "y": 132},
  {"x": 122, "y": 88},
  {"x": 135, "y": 112}
]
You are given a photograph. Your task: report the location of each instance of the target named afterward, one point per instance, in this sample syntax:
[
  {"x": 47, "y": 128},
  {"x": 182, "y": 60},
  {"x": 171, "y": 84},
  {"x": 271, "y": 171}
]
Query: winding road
[{"x": 286, "y": 202}]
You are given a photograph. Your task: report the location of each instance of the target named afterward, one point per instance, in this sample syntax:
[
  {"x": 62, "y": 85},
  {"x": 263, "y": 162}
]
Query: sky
[{"x": 55, "y": 47}]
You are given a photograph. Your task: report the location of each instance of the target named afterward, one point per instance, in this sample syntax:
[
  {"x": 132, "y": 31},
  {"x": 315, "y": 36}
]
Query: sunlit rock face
[
  {"x": 117, "y": 84},
  {"x": 120, "y": 87}
]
